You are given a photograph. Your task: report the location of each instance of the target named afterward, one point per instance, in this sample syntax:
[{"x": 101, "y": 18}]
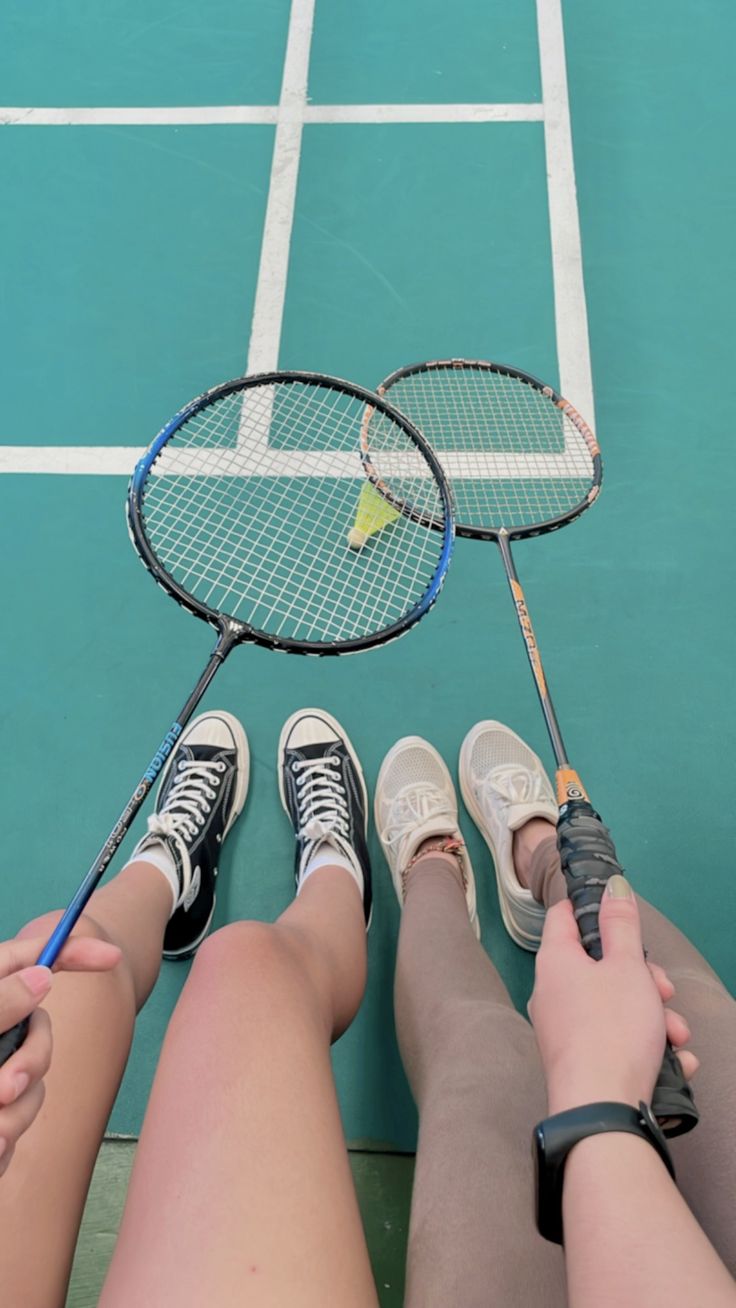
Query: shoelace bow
[
  {"x": 512, "y": 783},
  {"x": 410, "y": 809},
  {"x": 321, "y": 799},
  {"x": 187, "y": 802}
]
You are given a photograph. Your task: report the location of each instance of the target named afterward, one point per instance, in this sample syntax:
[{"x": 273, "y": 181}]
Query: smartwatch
[{"x": 555, "y": 1136}]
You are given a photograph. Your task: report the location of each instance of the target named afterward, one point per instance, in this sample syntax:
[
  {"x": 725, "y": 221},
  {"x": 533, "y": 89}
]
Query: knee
[
  {"x": 487, "y": 1040},
  {"x": 118, "y": 981},
  {"x": 44, "y": 925},
  {"x": 252, "y": 949},
  {"x": 254, "y": 958}
]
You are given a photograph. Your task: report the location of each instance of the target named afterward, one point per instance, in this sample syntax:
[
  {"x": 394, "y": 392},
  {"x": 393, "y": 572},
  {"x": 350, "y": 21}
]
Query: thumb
[
  {"x": 619, "y": 921},
  {"x": 20, "y": 952},
  {"x": 20, "y": 993}
]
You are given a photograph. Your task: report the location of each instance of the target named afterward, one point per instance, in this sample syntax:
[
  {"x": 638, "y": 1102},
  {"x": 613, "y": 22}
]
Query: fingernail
[
  {"x": 20, "y": 1083},
  {"x": 37, "y": 980},
  {"x": 619, "y": 888}
]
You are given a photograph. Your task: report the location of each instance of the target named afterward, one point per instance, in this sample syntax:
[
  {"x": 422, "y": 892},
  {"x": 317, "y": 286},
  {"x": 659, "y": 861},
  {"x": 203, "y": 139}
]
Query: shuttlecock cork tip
[{"x": 357, "y": 538}]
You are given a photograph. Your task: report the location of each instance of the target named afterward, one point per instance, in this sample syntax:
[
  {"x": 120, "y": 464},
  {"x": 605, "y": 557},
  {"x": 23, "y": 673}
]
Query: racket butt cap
[{"x": 357, "y": 538}]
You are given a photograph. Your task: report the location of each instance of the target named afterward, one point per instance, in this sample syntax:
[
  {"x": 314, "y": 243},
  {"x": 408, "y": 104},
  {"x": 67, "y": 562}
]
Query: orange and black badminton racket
[{"x": 521, "y": 462}]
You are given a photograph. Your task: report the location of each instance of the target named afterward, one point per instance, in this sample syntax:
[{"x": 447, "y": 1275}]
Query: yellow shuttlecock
[{"x": 373, "y": 513}]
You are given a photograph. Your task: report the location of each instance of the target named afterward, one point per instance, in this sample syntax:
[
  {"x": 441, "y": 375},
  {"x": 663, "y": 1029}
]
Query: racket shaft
[
  {"x": 588, "y": 859},
  {"x": 12, "y": 1039}
]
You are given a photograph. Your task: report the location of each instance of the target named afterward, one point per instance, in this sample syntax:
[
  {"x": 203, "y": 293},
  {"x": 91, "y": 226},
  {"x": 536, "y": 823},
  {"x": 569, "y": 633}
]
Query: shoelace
[
  {"x": 410, "y": 809},
  {"x": 321, "y": 799},
  {"x": 187, "y": 802},
  {"x": 511, "y": 783}
]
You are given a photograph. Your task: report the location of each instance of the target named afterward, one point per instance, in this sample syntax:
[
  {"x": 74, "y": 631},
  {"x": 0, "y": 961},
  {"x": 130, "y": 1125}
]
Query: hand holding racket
[
  {"x": 23, "y": 987},
  {"x": 601, "y": 1029},
  {"x": 521, "y": 462},
  {"x": 241, "y": 509}
]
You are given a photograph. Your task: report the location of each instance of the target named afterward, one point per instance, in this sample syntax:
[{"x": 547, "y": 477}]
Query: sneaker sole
[
  {"x": 519, "y": 937},
  {"x": 239, "y": 798}
]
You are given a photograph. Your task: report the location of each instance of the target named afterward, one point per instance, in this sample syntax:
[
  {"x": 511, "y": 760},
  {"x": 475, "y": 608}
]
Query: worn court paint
[
  {"x": 130, "y": 116},
  {"x": 191, "y": 115}
]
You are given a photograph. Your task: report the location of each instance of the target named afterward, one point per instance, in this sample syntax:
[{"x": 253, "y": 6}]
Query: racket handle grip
[
  {"x": 588, "y": 859},
  {"x": 11, "y": 1041}
]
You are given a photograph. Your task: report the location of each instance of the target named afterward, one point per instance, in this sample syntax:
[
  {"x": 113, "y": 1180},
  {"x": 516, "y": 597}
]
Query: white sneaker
[
  {"x": 503, "y": 785},
  {"x": 414, "y": 800}
]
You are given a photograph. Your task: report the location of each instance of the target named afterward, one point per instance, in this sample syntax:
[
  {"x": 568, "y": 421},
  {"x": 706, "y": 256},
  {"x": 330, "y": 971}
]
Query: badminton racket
[
  {"x": 521, "y": 462},
  {"x": 240, "y": 509}
]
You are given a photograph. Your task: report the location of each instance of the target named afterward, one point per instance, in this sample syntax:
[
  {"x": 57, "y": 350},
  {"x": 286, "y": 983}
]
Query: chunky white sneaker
[
  {"x": 415, "y": 800},
  {"x": 503, "y": 785}
]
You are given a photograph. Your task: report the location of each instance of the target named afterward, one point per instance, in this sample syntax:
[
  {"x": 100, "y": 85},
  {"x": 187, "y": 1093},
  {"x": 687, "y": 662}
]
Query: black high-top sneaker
[
  {"x": 202, "y": 791},
  {"x": 323, "y": 791}
]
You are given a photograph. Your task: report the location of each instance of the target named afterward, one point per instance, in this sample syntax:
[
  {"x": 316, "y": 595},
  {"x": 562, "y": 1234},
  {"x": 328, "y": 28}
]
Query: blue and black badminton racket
[
  {"x": 521, "y": 461},
  {"x": 241, "y": 509}
]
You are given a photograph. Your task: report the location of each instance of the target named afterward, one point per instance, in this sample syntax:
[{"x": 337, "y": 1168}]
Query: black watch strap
[{"x": 555, "y": 1136}]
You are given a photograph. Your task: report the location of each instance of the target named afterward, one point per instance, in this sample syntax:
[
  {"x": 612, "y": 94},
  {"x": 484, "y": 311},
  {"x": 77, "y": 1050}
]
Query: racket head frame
[
  {"x": 474, "y": 531},
  {"x": 233, "y": 631}
]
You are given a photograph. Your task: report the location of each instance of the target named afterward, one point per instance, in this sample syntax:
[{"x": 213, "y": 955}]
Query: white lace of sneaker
[
  {"x": 504, "y": 785},
  {"x": 323, "y": 806},
  {"x": 515, "y": 789},
  {"x": 184, "y": 813},
  {"x": 418, "y": 812}
]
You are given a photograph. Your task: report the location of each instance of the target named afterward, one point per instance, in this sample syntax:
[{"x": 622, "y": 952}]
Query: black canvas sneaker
[
  {"x": 323, "y": 791},
  {"x": 202, "y": 791}
]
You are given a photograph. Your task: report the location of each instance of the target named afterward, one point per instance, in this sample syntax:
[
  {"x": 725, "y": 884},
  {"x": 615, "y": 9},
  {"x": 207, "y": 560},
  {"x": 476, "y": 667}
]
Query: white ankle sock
[
  {"x": 159, "y": 856},
  {"x": 327, "y": 856}
]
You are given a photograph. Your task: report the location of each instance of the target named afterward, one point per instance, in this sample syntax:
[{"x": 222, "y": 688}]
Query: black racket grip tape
[
  {"x": 11, "y": 1041},
  {"x": 588, "y": 858}
]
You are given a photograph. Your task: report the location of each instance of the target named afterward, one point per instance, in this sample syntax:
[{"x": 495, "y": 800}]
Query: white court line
[
  {"x": 268, "y": 310},
  {"x": 94, "y": 460},
  {"x": 571, "y": 317},
  {"x": 167, "y": 116},
  {"x": 223, "y": 115},
  {"x": 423, "y": 113},
  {"x": 119, "y": 460}
]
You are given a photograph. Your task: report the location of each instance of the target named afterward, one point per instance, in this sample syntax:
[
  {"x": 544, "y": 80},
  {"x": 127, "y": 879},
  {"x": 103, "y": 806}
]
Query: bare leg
[
  {"x": 42, "y": 1195},
  {"x": 706, "y": 1158},
  {"x": 474, "y": 1070},
  {"x": 241, "y": 1191}
]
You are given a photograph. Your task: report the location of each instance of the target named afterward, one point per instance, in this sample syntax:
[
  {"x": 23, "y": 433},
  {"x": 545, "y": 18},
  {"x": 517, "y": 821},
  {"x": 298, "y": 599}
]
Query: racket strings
[
  {"x": 513, "y": 457},
  {"x": 249, "y": 505}
]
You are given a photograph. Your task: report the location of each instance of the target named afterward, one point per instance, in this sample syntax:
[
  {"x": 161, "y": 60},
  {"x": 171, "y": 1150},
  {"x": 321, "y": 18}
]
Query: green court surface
[
  {"x": 375, "y": 51},
  {"x": 131, "y": 286},
  {"x": 169, "y": 52}
]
